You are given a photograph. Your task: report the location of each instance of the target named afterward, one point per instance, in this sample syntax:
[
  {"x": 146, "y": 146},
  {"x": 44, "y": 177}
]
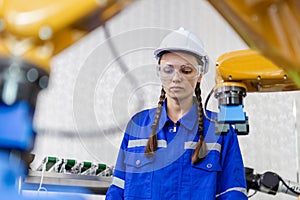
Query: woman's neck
[{"x": 177, "y": 109}]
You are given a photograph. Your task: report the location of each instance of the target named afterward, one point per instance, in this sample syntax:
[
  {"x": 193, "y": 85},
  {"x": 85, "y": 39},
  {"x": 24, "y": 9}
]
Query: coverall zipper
[{"x": 174, "y": 128}]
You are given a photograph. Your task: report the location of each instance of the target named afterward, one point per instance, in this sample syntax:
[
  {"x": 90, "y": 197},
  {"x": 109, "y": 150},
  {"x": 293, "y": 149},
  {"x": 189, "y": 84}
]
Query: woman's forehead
[{"x": 179, "y": 57}]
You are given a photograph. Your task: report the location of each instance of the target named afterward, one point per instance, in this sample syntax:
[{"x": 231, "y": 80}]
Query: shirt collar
[{"x": 188, "y": 120}]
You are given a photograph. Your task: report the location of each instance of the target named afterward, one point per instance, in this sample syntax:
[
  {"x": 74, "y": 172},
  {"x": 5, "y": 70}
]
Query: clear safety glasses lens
[{"x": 189, "y": 72}]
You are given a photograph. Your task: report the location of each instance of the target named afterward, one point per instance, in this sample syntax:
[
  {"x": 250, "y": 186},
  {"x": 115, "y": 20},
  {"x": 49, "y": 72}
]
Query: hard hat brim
[{"x": 158, "y": 53}]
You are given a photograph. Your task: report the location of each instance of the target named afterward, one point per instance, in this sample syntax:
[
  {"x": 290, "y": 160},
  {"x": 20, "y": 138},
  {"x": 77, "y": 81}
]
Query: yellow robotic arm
[
  {"x": 240, "y": 72},
  {"x": 270, "y": 26},
  {"x": 251, "y": 70},
  {"x": 31, "y": 34},
  {"x": 36, "y": 31}
]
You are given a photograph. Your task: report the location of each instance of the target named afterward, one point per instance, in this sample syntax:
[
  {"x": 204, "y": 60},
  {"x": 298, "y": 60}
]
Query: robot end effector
[
  {"x": 240, "y": 72},
  {"x": 270, "y": 183}
]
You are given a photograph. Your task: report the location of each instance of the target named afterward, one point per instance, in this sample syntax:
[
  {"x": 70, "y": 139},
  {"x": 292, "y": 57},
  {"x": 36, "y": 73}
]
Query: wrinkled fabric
[{"x": 170, "y": 174}]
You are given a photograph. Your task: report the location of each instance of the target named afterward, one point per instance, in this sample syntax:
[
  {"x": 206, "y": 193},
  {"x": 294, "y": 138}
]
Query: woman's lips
[{"x": 176, "y": 89}]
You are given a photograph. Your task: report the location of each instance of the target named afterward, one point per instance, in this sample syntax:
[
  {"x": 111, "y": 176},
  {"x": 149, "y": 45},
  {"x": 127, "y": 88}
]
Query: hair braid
[
  {"x": 152, "y": 141},
  {"x": 201, "y": 148}
]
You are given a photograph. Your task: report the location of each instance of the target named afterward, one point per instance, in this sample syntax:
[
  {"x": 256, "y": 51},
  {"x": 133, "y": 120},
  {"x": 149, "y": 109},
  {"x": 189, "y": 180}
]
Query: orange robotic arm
[
  {"x": 32, "y": 33},
  {"x": 240, "y": 72},
  {"x": 36, "y": 31},
  {"x": 270, "y": 26},
  {"x": 251, "y": 70}
]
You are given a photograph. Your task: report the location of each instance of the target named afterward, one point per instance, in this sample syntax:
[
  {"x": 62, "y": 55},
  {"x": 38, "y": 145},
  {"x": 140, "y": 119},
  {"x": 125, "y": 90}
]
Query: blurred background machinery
[
  {"x": 271, "y": 27},
  {"x": 33, "y": 33}
]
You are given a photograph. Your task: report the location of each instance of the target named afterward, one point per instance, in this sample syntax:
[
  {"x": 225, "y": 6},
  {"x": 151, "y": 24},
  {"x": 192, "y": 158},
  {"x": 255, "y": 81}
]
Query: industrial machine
[
  {"x": 32, "y": 33},
  {"x": 240, "y": 72},
  {"x": 270, "y": 183},
  {"x": 270, "y": 27}
]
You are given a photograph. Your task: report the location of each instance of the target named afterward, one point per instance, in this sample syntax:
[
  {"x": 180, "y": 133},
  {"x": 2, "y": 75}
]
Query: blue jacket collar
[{"x": 188, "y": 120}]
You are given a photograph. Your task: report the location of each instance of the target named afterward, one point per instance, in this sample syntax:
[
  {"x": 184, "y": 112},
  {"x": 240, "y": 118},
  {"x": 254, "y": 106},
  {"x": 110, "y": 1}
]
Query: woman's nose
[{"x": 177, "y": 76}]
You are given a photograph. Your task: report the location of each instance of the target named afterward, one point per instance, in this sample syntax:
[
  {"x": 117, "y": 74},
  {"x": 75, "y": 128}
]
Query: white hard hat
[{"x": 183, "y": 40}]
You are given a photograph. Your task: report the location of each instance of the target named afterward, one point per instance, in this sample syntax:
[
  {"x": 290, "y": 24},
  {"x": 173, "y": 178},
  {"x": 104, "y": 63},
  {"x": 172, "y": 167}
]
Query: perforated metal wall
[{"x": 92, "y": 94}]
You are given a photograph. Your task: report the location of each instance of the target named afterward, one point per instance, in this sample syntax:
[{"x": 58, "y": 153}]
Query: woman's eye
[
  {"x": 186, "y": 70},
  {"x": 168, "y": 70}
]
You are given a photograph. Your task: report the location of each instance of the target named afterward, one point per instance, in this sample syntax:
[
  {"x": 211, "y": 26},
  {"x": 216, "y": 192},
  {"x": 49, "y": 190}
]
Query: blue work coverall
[{"x": 170, "y": 174}]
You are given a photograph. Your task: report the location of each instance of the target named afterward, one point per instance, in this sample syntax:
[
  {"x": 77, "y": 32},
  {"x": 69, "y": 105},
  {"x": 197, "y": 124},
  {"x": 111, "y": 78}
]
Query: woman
[{"x": 172, "y": 151}]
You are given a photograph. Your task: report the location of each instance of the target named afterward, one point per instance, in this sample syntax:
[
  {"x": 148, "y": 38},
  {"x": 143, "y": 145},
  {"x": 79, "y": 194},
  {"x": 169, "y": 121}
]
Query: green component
[
  {"x": 51, "y": 159},
  {"x": 50, "y": 162},
  {"x": 101, "y": 167},
  {"x": 86, "y": 166},
  {"x": 70, "y": 163}
]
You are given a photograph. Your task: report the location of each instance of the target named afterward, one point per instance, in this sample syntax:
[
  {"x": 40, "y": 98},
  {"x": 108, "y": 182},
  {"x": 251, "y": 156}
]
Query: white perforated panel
[{"x": 84, "y": 111}]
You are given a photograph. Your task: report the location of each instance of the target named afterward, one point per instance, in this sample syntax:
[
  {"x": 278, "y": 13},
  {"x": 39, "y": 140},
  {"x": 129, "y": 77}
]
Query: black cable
[
  {"x": 114, "y": 51},
  {"x": 288, "y": 187},
  {"x": 122, "y": 65},
  {"x": 254, "y": 193},
  {"x": 205, "y": 107}
]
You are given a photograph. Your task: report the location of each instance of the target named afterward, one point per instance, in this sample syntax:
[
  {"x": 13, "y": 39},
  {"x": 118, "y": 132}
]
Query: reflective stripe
[
  {"x": 162, "y": 143},
  {"x": 214, "y": 146},
  {"x": 143, "y": 142},
  {"x": 190, "y": 145},
  {"x": 118, "y": 182},
  {"x": 210, "y": 146},
  {"x": 238, "y": 189},
  {"x": 137, "y": 143}
]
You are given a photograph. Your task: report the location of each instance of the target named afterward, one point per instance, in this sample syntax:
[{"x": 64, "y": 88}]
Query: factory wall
[{"x": 92, "y": 94}]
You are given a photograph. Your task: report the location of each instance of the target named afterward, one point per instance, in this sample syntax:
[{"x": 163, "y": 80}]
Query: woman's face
[{"x": 179, "y": 73}]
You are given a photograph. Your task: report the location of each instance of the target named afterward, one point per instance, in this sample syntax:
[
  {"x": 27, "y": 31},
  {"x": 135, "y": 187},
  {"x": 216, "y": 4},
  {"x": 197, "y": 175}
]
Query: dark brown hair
[
  {"x": 201, "y": 147},
  {"x": 152, "y": 141}
]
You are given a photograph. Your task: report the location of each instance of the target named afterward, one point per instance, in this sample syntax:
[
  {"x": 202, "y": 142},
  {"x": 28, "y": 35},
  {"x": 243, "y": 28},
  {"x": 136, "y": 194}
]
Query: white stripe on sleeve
[
  {"x": 238, "y": 189},
  {"x": 143, "y": 142},
  {"x": 210, "y": 146},
  {"x": 118, "y": 182}
]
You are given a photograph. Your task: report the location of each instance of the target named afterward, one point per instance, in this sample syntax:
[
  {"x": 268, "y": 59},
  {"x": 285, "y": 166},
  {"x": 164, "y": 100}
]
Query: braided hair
[
  {"x": 201, "y": 147},
  {"x": 152, "y": 141}
]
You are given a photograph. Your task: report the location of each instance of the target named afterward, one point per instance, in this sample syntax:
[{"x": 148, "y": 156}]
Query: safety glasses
[{"x": 186, "y": 71}]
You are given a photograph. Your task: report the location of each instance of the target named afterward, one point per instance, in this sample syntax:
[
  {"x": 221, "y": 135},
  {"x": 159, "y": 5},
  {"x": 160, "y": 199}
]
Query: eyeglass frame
[{"x": 198, "y": 68}]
